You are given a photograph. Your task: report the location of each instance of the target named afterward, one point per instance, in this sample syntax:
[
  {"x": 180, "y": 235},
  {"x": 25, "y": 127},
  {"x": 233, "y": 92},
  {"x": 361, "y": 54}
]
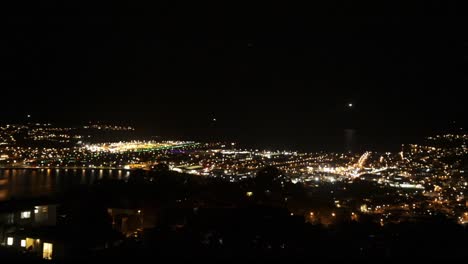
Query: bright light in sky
[{"x": 350, "y": 105}]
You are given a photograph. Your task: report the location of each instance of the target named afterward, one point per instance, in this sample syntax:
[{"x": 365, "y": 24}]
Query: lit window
[
  {"x": 36, "y": 209},
  {"x": 23, "y": 243},
  {"x": 26, "y": 214},
  {"x": 9, "y": 241},
  {"x": 30, "y": 243},
  {"x": 47, "y": 251}
]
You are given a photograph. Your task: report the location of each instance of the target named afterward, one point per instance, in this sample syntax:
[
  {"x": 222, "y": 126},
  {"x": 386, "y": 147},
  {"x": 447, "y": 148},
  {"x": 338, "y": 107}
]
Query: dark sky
[{"x": 275, "y": 74}]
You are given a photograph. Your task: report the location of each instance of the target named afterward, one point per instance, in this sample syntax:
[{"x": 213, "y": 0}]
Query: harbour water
[{"x": 31, "y": 183}]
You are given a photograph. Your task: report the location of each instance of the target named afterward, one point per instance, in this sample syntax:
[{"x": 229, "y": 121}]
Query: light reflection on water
[{"x": 24, "y": 183}]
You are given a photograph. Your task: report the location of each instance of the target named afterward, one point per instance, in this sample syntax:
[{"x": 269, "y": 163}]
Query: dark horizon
[{"x": 272, "y": 137}]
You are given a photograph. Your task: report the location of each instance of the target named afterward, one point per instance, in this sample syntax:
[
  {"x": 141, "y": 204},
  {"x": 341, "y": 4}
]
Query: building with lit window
[
  {"x": 45, "y": 248},
  {"x": 30, "y": 215}
]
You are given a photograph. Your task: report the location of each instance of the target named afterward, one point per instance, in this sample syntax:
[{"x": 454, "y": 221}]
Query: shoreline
[{"x": 64, "y": 168}]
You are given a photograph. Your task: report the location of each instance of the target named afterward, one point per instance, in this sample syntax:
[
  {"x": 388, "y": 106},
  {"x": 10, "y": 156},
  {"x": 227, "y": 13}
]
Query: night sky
[{"x": 278, "y": 75}]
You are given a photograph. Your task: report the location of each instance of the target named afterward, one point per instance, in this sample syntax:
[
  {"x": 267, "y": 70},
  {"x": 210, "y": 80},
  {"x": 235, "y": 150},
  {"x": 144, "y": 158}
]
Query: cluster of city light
[
  {"x": 135, "y": 146},
  {"x": 109, "y": 127},
  {"x": 422, "y": 182}
]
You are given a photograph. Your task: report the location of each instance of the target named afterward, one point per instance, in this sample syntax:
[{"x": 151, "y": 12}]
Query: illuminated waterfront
[{"x": 417, "y": 177}]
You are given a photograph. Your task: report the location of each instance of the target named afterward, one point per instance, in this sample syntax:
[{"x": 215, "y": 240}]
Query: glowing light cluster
[{"x": 135, "y": 146}]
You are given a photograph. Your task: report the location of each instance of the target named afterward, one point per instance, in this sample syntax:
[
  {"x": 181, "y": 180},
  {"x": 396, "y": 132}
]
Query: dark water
[
  {"x": 334, "y": 141},
  {"x": 30, "y": 183}
]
